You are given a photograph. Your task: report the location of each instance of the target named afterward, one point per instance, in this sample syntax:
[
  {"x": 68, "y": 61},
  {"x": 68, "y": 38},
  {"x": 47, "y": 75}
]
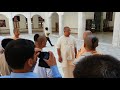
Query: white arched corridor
[
  {"x": 4, "y": 24},
  {"x": 56, "y": 21},
  {"x": 37, "y": 23},
  {"x": 20, "y": 21}
]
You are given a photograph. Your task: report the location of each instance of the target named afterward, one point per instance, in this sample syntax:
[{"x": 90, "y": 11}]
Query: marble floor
[{"x": 105, "y": 45}]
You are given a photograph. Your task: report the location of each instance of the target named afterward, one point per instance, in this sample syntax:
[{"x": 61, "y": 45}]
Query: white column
[
  {"x": 11, "y": 25},
  {"x": 29, "y": 25},
  {"x": 49, "y": 25},
  {"x": 60, "y": 25},
  {"x": 44, "y": 25},
  {"x": 81, "y": 24},
  {"x": 116, "y": 30}
]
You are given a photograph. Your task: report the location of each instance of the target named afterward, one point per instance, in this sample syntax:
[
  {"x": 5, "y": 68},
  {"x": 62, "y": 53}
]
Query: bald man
[
  {"x": 43, "y": 72},
  {"x": 82, "y": 49},
  {"x": 90, "y": 44},
  {"x": 67, "y": 50},
  {"x": 16, "y": 34}
]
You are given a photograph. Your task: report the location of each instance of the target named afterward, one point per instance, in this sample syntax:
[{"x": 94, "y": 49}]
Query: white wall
[
  {"x": 89, "y": 15},
  {"x": 55, "y": 18},
  {"x": 71, "y": 20},
  {"x": 104, "y": 15},
  {"x": 2, "y": 17}
]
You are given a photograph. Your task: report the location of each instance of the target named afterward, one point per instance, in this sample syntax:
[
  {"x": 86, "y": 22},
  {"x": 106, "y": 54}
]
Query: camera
[{"x": 42, "y": 56}]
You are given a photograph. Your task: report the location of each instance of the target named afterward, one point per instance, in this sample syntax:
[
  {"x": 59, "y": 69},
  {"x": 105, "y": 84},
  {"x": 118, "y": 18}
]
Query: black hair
[
  {"x": 91, "y": 42},
  {"x": 46, "y": 28},
  {"x": 36, "y": 36},
  {"x": 97, "y": 66},
  {"x": 5, "y": 41},
  {"x": 17, "y": 52},
  {"x": 94, "y": 42}
]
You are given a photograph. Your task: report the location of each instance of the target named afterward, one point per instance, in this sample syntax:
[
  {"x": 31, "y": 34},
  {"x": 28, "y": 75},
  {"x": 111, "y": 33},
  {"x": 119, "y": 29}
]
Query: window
[
  {"x": 16, "y": 18},
  {"x": 40, "y": 19},
  {"x": 2, "y": 23}
]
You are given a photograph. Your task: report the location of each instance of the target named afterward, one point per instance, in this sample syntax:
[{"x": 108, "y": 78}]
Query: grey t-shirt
[{"x": 82, "y": 56}]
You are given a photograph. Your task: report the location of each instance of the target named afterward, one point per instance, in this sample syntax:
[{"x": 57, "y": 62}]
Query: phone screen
[{"x": 44, "y": 55}]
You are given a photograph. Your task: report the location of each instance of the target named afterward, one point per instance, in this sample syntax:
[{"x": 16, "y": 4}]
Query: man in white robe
[
  {"x": 67, "y": 50},
  {"x": 40, "y": 43}
]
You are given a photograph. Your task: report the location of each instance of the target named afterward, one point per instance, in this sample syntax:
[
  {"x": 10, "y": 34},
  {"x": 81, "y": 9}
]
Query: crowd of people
[{"x": 23, "y": 58}]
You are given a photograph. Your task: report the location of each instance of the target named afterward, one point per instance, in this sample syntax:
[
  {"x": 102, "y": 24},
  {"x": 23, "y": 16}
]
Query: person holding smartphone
[
  {"x": 42, "y": 68},
  {"x": 21, "y": 56}
]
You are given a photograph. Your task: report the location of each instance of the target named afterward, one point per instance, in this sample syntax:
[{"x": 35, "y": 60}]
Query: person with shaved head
[
  {"x": 16, "y": 34},
  {"x": 42, "y": 68},
  {"x": 67, "y": 50},
  {"x": 40, "y": 42},
  {"x": 97, "y": 66},
  {"x": 90, "y": 44},
  {"x": 82, "y": 49}
]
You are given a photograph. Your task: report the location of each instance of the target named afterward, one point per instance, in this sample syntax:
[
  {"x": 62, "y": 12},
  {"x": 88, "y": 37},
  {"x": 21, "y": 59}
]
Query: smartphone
[{"x": 44, "y": 55}]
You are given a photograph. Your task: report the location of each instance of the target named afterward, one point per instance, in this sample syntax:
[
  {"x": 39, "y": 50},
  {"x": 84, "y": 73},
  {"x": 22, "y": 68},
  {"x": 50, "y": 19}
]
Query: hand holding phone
[
  {"x": 44, "y": 55},
  {"x": 52, "y": 60}
]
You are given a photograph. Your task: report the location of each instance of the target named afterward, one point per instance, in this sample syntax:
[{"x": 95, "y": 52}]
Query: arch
[
  {"x": 55, "y": 22},
  {"x": 50, "y": 14},
  {"x": 19, "y": 14},
  {"x": 6, "y": 15},
  {"x": 20, "y": 23},
  {"x": 33, "y": 14},
  {"x": 37, "y": 23},
  {"x": 4, "y": 24}
]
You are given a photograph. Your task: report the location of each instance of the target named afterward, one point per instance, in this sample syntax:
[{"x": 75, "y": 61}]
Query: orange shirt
[{"x": 81, "y": 51}]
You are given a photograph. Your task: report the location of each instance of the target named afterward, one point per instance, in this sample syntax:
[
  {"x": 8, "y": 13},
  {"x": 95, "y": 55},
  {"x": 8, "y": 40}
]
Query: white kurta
[
  {"x": 42, "y": 72},
  {"x": 67, "y": 46},
  {"x": 4, "y": 68}
]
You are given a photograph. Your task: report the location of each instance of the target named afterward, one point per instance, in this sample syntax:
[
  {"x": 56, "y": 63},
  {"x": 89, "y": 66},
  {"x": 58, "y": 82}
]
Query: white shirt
[
  {"x": 1, "y": 38},
  {"x": 81, "y": 57},
  {"x": 47, "y": 33},
  {"x": 42, "y": 72},
  {"x": 67, "y": 46}
]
